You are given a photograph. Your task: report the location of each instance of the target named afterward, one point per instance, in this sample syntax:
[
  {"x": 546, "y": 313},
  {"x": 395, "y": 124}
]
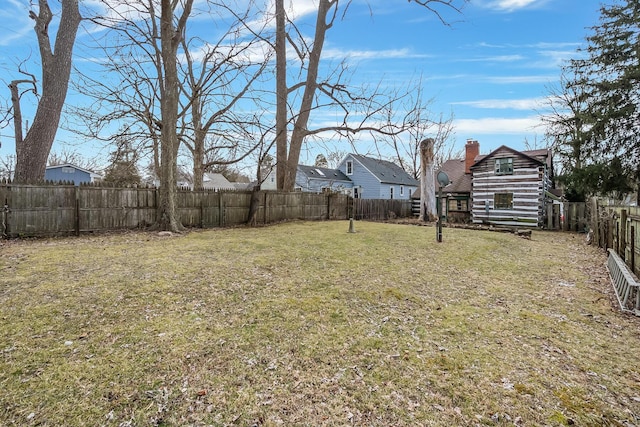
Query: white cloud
[
  {"x": 511, "y": 5},
  {"x": 498, "y": 58},
  {"x": 513, "y": 104},
  {"x": 498, "y": 125},
  {"x": 520, "y": 79},
  {"x": 336, "y": 53}
]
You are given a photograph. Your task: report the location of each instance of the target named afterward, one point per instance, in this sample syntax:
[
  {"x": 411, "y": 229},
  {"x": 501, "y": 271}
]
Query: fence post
[
  {"x": 220, "y": 209},
  {"x": 623, "y": 235},
  {"x": 5, "y": 218},
  {"x": 77, "y": 211},
  {"x": 633, "y": 249},
  {"x": 595, "y": 220}
]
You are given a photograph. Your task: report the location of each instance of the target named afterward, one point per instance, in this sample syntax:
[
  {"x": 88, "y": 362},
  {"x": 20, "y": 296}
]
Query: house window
[
  {"x": 401, "y": 191},
  {"x": 67, "y": 169},
  {"x": 503, "y": 200},
  {"x": 457, "y": 205},
  {"x": 504, "y": 166},
  {"x": 391, "y": 192},
  {"x": 349, "y": 167}
]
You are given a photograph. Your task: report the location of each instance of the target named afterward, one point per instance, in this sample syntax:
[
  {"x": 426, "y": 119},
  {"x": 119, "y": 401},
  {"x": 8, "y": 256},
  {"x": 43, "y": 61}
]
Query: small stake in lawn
[
  {"x": 443, "y": 180},
  {"x": 351, "y": 229}
]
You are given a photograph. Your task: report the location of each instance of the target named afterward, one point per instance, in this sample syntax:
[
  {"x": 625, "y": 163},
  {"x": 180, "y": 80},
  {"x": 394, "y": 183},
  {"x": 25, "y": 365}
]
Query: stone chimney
[{"x": 472, "y": 150}]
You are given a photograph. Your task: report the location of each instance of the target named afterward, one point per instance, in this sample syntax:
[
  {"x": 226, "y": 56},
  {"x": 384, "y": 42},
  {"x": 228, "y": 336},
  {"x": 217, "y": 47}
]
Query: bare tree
[
  {"x": 421, "y": 124},
  {"x": 33, "y": 150},
  {"x": 217, "y": 120},
  {"x": 7, "y": 166},
  {"x": 312, "y": 87},
  {"x": 335, "y": 157},
  {"x": 171, "y": 34},
  {"x": 214, "y": 131},
  {"x": 72, "y": 157}
]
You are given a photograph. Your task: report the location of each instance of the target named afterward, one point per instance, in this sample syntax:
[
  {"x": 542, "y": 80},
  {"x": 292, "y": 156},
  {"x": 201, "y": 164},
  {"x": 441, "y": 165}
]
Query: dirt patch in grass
[{"x": 306, "y": 324}]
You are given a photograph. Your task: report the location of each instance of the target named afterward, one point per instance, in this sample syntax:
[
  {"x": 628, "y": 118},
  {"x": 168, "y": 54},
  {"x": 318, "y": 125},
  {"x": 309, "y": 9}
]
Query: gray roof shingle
[{"x": 385, "y": 171}]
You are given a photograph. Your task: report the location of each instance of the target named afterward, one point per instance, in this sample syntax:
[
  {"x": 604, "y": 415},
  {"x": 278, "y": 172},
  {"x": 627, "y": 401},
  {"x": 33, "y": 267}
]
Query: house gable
[
  {"x": 377, "y": 179},
  {"x": 71, "y": 173},
  {"x": 508, "y": 187}
]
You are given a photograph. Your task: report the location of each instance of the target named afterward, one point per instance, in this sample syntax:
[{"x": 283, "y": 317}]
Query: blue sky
[{"x": 491, "y": 67}]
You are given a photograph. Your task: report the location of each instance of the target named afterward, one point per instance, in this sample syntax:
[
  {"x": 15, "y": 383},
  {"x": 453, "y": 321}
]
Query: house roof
[
  {"x": 313, "y": 172},
  {"x": 70, "y": 165},
  {"x": 216, "y": 180},
  {"x": 385, "y": 171},
  {"x": 460, "y": 182},
  {"x": 540, "y": 156}
]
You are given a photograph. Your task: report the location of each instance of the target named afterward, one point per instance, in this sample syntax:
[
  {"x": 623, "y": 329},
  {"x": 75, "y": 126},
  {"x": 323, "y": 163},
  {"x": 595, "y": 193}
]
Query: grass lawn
[{"x": 305, "y": 324}]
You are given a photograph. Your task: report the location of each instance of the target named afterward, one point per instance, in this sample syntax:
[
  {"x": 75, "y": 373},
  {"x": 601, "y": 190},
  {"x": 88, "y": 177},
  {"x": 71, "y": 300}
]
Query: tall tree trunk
[
  {"x": 170, "y": 37},
  {"x": 427, "y": 183},
  {"x": 33, "y": 151},
  {"x": 281, "y": 94},
  {"x": 199, "y": 137},
  {"x": 302, "y": 121}
]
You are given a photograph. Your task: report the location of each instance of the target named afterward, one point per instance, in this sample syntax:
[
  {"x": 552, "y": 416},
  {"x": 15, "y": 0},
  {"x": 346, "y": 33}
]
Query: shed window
[
  {"x": 504, "y": 166},
  {"x": 503, "y": 200},
  {"x": 457, "y": 205},
  {"x": 349, "y": 167}
]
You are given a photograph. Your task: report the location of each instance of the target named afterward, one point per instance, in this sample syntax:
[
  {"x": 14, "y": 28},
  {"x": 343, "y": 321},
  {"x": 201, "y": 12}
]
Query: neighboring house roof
[
  {"x": 216, "y": 181},
  {"x": 69, "y": 165},
  {"x": 243, "y": 185},
  {"x": 325, "y": 174},
  {"x": 385, "y": 171}
]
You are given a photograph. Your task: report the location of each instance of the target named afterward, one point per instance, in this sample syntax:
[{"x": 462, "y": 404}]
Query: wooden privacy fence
[
  {"x": 374, "y": 209},
  {"x": 43, "y": 210},
  {"x": 567, "y": 216},
  {"x": 615, "y": 229}
]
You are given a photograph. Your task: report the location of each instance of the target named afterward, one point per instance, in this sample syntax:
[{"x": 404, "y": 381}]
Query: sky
[{"x": 490, "y": 67}]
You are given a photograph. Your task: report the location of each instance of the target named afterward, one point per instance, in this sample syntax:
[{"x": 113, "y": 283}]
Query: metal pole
[{"x": 439, "y": 227}]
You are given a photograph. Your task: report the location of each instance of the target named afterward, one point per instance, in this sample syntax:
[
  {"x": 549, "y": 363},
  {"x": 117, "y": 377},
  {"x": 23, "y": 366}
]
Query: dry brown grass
[{"x": 306, "y": 324}]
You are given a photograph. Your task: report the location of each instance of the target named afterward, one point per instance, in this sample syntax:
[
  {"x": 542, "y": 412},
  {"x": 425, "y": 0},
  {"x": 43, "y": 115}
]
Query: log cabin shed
[{"x": 510, "y": 187}]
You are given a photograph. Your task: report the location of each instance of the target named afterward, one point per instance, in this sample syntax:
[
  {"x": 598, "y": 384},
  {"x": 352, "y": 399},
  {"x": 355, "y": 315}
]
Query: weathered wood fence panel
[
  {"x": 103, "y": 208},
  {"x": 567, "y": 216},
  {"x": 43, "y": 210},
  {"x": 616, "y": 228},
  {"x": 235, "y": 207},
  {"x": 35, "y": 210},
  {"x": 381, "y": 209}
]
